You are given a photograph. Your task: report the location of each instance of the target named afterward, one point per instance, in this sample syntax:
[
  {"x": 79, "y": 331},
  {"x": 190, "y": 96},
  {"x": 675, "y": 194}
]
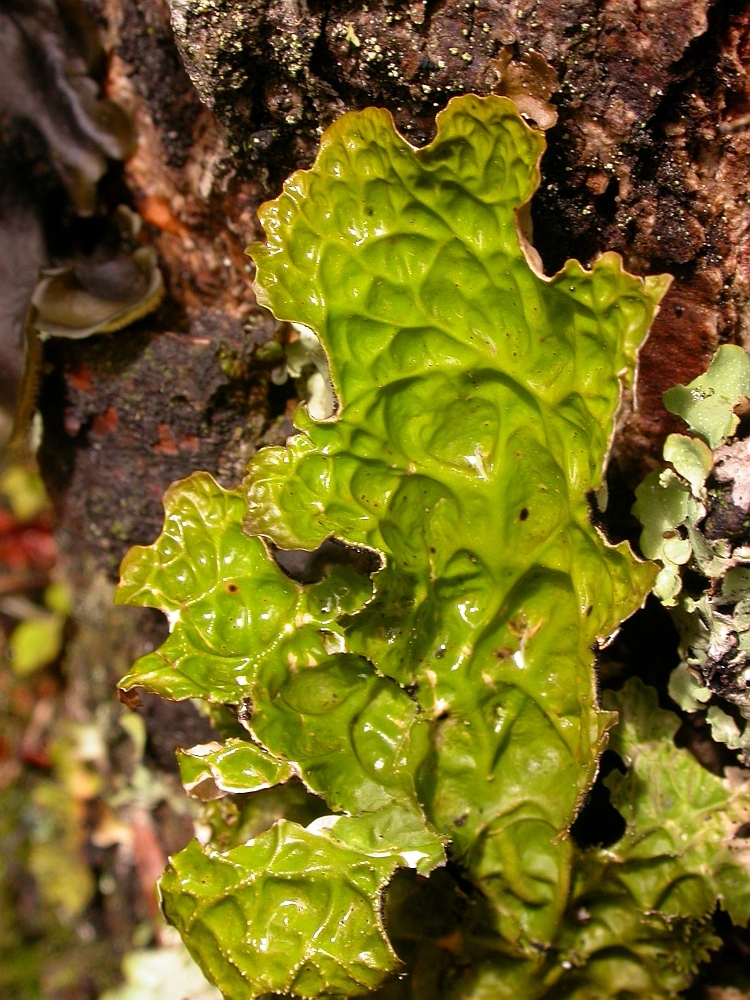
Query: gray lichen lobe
[{"x": 696, "y": 518}]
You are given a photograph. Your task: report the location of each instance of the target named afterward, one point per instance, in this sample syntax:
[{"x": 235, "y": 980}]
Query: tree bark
[{"x": 649, "y": 157}]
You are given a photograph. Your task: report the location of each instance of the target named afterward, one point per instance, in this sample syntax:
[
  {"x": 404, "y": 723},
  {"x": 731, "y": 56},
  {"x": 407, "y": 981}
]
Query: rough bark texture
[{"x": 649, "y": 157}]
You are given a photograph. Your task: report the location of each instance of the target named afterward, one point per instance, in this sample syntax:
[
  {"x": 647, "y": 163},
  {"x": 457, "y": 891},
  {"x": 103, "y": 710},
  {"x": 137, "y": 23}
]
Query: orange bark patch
[
  {"x": 104, "y": 423},
  {"x": 156, "y": 211},
  {"x": 166, "y": 444},
  {"x": 80, "y": 378},
  {"x": 190, "y": 442}
]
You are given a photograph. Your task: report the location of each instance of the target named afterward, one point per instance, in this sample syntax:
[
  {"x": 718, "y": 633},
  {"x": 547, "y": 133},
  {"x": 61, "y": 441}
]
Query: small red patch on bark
[
  {"x": 157, "y": 211},
  {"x": 80, "y": 378},
  {"x": 191, "y": 442},
  {"x": 166, "y": 444},
  {"x": 104, "y": 423}
]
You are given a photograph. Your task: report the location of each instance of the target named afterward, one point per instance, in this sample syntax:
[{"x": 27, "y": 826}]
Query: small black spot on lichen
[{"x": 524, "y": 513}]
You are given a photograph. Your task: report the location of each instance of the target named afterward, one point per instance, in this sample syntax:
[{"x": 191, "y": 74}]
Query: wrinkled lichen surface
[{"x": 443, "y": 705}]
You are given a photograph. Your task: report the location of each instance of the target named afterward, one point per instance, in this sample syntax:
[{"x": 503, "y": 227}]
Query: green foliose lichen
[{"x": 443, "y": 706}]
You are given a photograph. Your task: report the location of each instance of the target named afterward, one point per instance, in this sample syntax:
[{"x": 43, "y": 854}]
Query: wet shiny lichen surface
[{"x": 444, "y": 706}]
